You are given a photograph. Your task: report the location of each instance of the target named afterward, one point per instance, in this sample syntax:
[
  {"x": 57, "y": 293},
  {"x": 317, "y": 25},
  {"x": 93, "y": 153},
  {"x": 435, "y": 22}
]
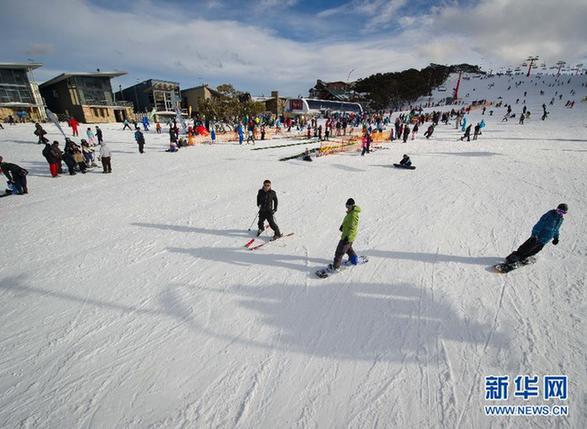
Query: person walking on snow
[
  {"x": 267, "y": 204},
  {"x": 99, "y": 134},
  {"x": 545, "y": 230},
  {"x": 126, "y": 125},
  {"x": 349, "y": 230},
  {"x": 105, "y": 157},
  {"x": 73, "y": 123},
  {"x": 406, "y": 133},
  {"x": 90, "y": 135},
  {"x": 140, "y": 139}
]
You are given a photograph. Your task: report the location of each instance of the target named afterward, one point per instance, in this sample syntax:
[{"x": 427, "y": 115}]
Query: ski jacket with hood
[
  {"x": 547, "y": 227},
  {"x": 350, "y": 225}
]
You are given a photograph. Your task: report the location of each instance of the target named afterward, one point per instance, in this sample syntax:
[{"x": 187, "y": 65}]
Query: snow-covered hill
[{"x": 128, "y": 300}]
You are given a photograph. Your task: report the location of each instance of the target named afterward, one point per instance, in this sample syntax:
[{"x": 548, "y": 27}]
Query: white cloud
[{"x": 151, "y": 42}]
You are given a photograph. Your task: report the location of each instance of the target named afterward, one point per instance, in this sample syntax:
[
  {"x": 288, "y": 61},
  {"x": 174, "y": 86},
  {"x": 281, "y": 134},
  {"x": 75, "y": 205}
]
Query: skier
[
  {"x": 267, "y": 204},
  {"x": 105, "y": 157},
  {"x": 545, "y": 230},
  {"x": 16, "y": 176},
  {"x": 415, "y": 131},
  {"x": 99, "y": 135},
  {"x": 158, "y": 127},
  {"x": 146, "y": 123},
  {"x": 349, "y": 229},
  {"x": 522, "y": 117},
  {"x": 140, "y": 139},
  {"x": 126, "y": 125}
]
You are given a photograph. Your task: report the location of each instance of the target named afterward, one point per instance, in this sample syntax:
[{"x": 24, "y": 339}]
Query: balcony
[{"x": 117, "y": 103}]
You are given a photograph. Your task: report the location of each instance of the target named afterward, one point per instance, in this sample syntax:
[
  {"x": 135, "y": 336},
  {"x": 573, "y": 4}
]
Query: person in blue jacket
[
  {"x": 241, "y": 135},
  {"x": 545, "y": 230}
]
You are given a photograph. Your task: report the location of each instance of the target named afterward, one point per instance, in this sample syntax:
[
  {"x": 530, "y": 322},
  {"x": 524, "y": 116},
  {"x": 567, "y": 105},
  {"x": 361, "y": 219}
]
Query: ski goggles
[{"x": 561, "y": 212}]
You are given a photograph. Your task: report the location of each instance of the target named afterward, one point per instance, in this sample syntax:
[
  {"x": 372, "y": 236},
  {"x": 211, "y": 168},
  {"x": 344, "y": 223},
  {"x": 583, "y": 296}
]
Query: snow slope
[{"x": 127, "y": 300}]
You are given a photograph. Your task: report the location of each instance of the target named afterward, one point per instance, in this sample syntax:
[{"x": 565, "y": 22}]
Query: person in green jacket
[{"x": 349, "y": 229}]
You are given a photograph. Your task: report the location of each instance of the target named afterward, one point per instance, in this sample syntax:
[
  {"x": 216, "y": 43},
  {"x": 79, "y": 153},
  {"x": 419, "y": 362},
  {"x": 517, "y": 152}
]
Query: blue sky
[{"x": 285, "y": 45}]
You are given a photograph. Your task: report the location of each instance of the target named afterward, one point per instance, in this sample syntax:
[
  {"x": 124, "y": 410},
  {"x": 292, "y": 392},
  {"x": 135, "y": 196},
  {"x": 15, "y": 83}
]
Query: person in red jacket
[{"x": 73, "y": 123}]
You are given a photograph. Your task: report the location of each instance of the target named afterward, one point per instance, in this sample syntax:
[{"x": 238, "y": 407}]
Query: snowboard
[
  {"x": 327, "y": 272},
  {"x": 506, "y": 267},
  {"x": 411, "y": 167}
]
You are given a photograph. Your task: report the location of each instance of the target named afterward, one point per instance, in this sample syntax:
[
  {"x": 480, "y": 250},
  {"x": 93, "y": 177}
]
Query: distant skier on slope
[
  {"x": 267, "y": 204},
  {"x": 349, "y": 229},
  {"x": 545, "y": 230}
]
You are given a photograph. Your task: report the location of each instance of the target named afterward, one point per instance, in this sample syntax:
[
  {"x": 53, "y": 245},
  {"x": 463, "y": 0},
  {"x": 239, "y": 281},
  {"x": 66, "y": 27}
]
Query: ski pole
[{"x": 253, "y": 222}]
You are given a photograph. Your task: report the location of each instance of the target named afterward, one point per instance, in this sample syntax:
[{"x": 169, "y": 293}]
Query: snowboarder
[
  {"x": 16, "y": 176},
  {"x": 406, "y": 161},
  {"x": 429, "y": 132},
  {"x": 349, "y": 229},
  {"x": 105, "y": 157},
  {"x": 467, "y": 134},
  {"x": 267, "y": 204},
  {"x": 140, "y": 139},
  {"x": 477, "y": 131},
  {"x": 545, "y": 230}
]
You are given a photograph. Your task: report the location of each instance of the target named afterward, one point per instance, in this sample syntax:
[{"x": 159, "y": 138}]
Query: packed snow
[{"x": 128, "y": 299}]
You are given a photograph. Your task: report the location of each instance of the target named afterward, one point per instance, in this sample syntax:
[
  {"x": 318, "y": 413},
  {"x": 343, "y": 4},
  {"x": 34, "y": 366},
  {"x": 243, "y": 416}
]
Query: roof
[
  {"x": 63, "y": 76},
  {"x": 212, "y": 91},
  {"x": 28, "y": 66},
  {"x": 152, "y": 82}
]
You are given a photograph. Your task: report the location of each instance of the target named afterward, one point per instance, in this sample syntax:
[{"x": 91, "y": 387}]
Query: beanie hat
[
  {"x": 350, "y": 202},
  {"x": 563, "y": 207}
]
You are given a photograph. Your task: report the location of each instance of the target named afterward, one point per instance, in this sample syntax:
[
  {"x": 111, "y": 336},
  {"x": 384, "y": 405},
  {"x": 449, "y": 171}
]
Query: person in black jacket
[
  {"x": 267, "y": 203},
  {"x": 16, "y": 176},
  {"x": 52, "y": 154}
]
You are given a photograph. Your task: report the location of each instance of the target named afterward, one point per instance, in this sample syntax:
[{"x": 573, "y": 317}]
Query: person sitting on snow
[{"x": 406, "y": 161}]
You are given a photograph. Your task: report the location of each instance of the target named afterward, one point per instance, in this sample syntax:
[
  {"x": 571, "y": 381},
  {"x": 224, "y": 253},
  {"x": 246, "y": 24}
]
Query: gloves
[
  {"x": 340, "y": 229},
  {"x": 555, "y": 241}
]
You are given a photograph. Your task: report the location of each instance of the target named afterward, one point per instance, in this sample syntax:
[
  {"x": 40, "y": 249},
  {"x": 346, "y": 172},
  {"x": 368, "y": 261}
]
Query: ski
[
  {"x": 327, "y": 272},
  {"x": 252, "y": 240},
  {"x": 267, "y": 242}
]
